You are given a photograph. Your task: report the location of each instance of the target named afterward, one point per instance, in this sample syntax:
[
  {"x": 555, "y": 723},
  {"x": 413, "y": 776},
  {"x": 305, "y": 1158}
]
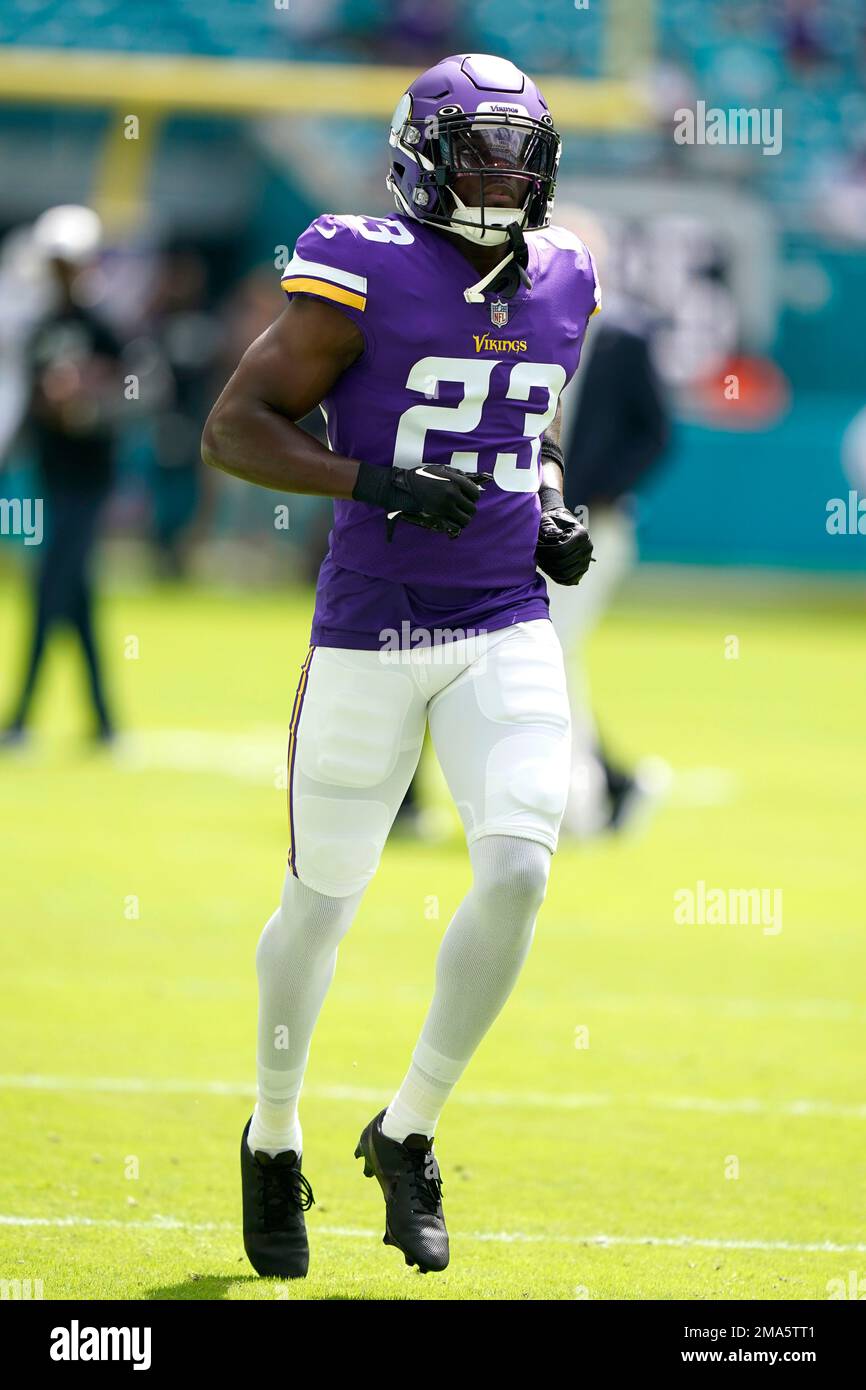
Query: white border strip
[{"x": 298, "y": 266}]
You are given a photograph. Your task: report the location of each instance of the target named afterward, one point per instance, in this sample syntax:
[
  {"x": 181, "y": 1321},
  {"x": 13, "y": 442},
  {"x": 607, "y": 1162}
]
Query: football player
[{"x": 437, "y": 343}]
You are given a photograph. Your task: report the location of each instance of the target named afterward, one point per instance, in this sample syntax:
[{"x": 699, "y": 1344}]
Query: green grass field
[{"x": 134, "y": 886}]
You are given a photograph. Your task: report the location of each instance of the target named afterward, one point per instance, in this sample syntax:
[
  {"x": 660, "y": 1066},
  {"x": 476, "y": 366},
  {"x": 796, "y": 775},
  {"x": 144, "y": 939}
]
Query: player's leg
[
  {"x": 501, "y": 733},
  {"x": 47, "y": 606},
  {"x": 80, "y": 607},
  {"x": 355, "y": 739},
  {"x": 477, "y": 966},
  {"x": 295, "y": 962},
  {"x": 354, "y": 742}
]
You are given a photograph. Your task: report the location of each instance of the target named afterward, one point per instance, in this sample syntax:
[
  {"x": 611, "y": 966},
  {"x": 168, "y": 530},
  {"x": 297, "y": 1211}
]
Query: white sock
[
  {"x": 295, "y": 963},
  {"x": 275, "y": 1125},
  {"x": 418, "y": 1103},
  {"x": 477, "y": 967},
  {"x": 273, "y": 1138}
]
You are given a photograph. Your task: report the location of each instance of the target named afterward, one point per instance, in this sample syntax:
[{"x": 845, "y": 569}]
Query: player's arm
[
  {"x": 552, "y": 470},
  {"x": 564, "y": 549},
  {"x": 252, "y": 430}
]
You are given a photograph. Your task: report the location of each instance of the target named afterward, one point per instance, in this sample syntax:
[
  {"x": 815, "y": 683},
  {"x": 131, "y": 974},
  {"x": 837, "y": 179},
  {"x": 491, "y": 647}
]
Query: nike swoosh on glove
[
  {"x": 564, "y": 549},
  {"x": 437, "y": 497}
]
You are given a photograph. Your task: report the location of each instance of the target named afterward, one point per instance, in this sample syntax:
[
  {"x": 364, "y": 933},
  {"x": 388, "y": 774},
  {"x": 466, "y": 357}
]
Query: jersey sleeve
[
  {"x": 576, "y": 267},
  {"x": 587, "y": 275},
  {"x": 329, "y": 263},
  {"x": 596, "y": 293}
]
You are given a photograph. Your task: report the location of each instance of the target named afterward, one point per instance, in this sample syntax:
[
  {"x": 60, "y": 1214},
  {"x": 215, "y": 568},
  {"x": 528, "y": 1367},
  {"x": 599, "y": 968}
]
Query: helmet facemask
[{"x": 478, "y": 174}]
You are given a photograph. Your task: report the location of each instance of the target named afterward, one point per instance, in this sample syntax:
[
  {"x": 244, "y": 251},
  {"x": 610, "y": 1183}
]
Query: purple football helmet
[{"x": 474, "y": 115}]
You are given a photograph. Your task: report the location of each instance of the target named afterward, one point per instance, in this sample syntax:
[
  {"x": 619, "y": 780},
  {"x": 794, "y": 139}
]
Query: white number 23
[{"x": 475, "y": 377}]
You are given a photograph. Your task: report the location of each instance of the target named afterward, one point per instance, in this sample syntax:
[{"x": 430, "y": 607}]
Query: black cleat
[
  {"x": 276, "y": 1194},
  {"x": 408, "y": 1175}
]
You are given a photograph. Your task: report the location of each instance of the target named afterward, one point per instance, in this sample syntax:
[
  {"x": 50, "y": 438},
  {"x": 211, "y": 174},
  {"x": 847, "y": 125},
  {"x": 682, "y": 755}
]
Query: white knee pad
[{"x": 340, "y": 841}]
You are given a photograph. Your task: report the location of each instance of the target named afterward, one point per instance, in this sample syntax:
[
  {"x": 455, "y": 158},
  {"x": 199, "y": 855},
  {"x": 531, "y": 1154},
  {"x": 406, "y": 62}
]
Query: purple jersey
[{"x": 473, "y": 385}]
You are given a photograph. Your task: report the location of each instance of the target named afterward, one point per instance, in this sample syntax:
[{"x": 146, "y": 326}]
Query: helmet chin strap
[
  {"x": 475, "y": 293},
  {"x": 490, "y": 227},
  {"x": 512, "y": 233},
  {"x": 518, "y": 253}
]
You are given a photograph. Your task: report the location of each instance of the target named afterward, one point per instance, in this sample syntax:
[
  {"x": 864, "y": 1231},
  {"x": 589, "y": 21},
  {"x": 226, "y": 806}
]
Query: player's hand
[
  {"x": 438, "y": 497},
  {"x": 433, "y": 495},
  {"x": 439, "y": 492},
  {"x": 564, "y": 549}
]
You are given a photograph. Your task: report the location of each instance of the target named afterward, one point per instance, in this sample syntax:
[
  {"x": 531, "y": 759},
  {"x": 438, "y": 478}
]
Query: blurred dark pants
[
  {"x": 64, "y": 593},
  {"x": 175, "y": 503}
]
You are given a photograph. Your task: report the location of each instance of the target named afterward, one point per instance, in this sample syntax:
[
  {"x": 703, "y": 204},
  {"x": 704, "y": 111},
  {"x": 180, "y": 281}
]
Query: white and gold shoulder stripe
[{"x": 312, "y": 277}]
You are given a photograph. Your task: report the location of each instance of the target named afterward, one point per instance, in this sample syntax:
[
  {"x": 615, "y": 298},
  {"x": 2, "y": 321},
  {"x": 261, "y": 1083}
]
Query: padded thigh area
[
  {"x": 527, "y": 772},
  {"x": 340, "y": 842},
  {"x": 502, "y": 734},
  {"x": 359, "y": 736},
  {"x": 353, "y": 725},
  {"x": 529, "y": 684}
]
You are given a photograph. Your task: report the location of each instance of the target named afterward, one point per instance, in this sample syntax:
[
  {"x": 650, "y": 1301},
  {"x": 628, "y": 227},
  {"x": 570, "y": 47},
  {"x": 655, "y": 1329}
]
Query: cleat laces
[
  {"x": 283, "y": 1187},
  {"x": 425, "y": 1182}
]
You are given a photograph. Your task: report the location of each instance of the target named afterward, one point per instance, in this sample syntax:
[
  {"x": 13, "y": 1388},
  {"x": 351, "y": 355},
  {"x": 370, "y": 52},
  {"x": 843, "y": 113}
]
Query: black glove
[
  {"x": 435, "y": 496},
  {"x": 564, "y": 550}
]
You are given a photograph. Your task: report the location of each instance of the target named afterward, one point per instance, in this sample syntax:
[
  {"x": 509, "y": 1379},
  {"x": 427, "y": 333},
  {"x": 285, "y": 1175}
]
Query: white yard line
[
  {"x": 369, "y": 1095},
  {"x": 725, "y": 1006},
  {"x": 168, "y": 1223}
]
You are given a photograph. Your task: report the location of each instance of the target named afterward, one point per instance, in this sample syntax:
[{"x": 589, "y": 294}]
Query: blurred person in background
[
  {"x": 186, "y": 334},
  {"x": 25, "y": 296},
  {"x": 616, "y": 428},
  {"x": 74, "y": 393}
]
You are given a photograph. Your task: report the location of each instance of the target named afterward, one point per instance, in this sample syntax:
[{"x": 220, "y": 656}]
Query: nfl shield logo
[{"x": 499, "y": 313}]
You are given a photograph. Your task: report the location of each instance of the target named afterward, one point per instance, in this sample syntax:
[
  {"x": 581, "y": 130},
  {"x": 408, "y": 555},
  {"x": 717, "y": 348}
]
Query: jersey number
[
  {"x": 386, "y": 229},
  {"x": 474, "y": 376}
]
